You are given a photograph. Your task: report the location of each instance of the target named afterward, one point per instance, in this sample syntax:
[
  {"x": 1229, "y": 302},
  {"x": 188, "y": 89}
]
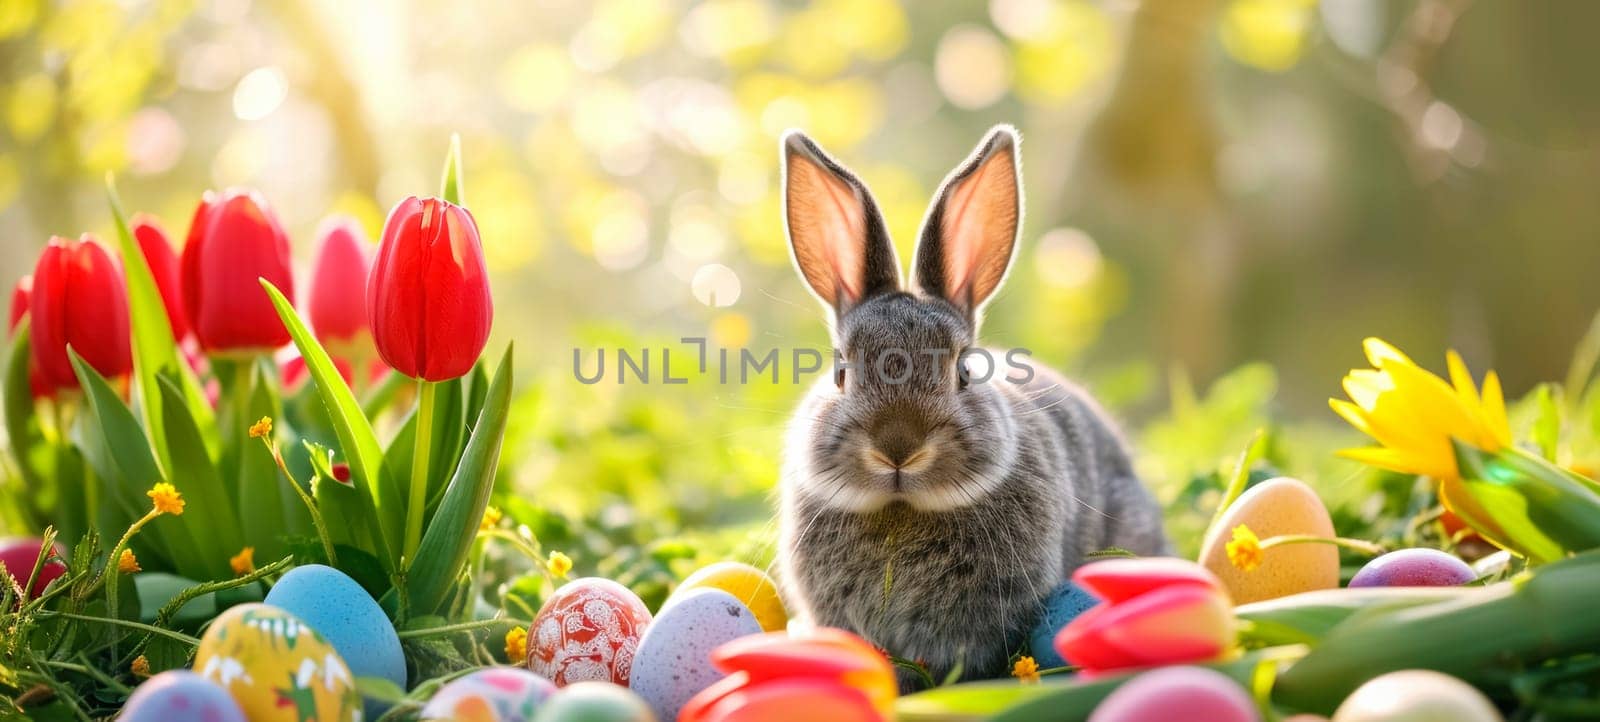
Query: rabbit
[{"x": 933, "y": 515}]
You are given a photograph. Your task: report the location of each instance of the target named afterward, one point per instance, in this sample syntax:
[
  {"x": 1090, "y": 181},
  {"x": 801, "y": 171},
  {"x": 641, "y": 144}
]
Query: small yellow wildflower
[
  {"x": 127, "y": 563},
  {"x": 244, "y": 562},
  {"x": 559, "y": 565},
  {"x": 1026, "y": 670},
  {"x": 140, "y": 666},
  {"x": 1244, "y": 551},
  {"x": 166, "y": 498},
  {"x": 517, "y": 645},
  {"x": 491, "y": 518},
  {"x": 261, "y": 429}
]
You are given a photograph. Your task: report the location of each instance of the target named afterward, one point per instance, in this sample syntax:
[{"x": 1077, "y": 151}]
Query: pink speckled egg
[
  {"x": 1178, "y": 693},
  {"x": 588, "y": 630}
]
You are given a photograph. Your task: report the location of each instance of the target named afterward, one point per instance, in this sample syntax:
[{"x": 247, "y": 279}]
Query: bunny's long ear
[
  {"x": 836, "y": 233},
  {"x": 971, "y": 229}
]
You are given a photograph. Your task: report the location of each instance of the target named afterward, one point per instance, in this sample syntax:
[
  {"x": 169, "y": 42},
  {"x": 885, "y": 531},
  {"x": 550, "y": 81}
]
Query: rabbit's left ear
[{"x": 971, "y": 229}]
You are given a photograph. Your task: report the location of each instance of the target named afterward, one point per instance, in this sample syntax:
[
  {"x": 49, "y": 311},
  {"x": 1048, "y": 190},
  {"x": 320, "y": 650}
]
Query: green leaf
[
  {"x": 450, "y": 187},
  {"x": 261, "y": 488},
  {"x": 449, "y": 538},
  {"x": 28, "y": 444},
  {"x": 1547, "y": 425},
  {"x": 1533, "y": 507},
  {"x": 218, "y": 525},
  {"x": 131, "y": 469},
  {"x": 154, "y": 348},
  {"x": 158, "y": 588},
  {"x": 356, "y": 438}
]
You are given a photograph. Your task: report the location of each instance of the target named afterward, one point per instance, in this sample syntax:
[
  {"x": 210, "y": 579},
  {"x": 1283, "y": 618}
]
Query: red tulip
[
  {"x": 20, "y": 294},
  {"x": 163, "y": 262},
  {"x": 79, "y": 300},
  {"x": 17, "y": 557},
  {"x": 339, "y": 290},
  {"x": 234, "y": 241},
  {"x": 428, "y": 296},
  {"x": 774, "y": 677},
  {"x": 1156, "y": 611}
]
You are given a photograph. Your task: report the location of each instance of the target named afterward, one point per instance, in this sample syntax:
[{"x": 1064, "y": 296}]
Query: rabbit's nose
[{"x": 897, "y": 445}]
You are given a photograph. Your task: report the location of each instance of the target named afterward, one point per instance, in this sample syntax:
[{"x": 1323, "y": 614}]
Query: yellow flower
[
  {"x": 517, "y": 645},
  {"x": 1413, "y": 414},
  {"x": 127, "y": 563},
  {"x": 1026, "y": 670},
  {"x": 166, "y": 498},
  {"x": 244, "y": 562},
  {"x": 1244, "y": 551},
  {"x": 491, "y": 518},
  {"x": 140, "y": 666},
  {"x": 559, "y": 565},
  {"x": 261, "y": 429}
]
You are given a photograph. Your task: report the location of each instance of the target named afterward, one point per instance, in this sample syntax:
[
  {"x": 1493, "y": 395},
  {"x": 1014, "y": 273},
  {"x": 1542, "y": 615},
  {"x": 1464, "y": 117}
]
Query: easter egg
[
  {"x": 588, "y": 630},
  {"x": 1272, "y": 508},
  {"x": 337, "y": 607},
  {"x": 1414, "y": 568},
  {"x": 180, "y": 696},
  {"x": 595, "y": 702},
  {"x": 674, "y": 658},
  {"x": 496, "y": 694},
  {"x": 749, "y": 585},
  {"x": 277, "y": 667},
  {"x": 1177, "y": 693},
  {"x": 1416, "y": 695},
  {"x": 1063, "y": 605},
  {"x": 18, "y": 556}
]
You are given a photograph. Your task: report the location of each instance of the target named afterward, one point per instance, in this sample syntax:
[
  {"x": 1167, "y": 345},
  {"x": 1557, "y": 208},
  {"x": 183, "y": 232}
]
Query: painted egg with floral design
[
  {"x": 496, "y": 694},
  {"x": 588, "y": 630},
  {"x": 277, "y": 667}
]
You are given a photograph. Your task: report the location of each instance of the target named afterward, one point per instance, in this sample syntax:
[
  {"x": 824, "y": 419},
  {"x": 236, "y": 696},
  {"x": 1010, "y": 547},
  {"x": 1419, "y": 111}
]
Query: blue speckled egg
[
  {"x": 496, "y": 694},
  {"x": 674, "y": 658},
  {"x": 1062, "y": 606},
  {"x": 180, "y": 696},
  {"x": 336, "y": 606}
]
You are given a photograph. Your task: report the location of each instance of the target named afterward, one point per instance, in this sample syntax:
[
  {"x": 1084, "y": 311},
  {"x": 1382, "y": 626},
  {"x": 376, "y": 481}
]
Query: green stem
[
  {"x": 170, "y": 634},
  {"x": 426, "y": 391},
  {"x": 461, "y": 627},
  {"x": 1359, "y": 545},
  {"x": 311, "y": 505}
]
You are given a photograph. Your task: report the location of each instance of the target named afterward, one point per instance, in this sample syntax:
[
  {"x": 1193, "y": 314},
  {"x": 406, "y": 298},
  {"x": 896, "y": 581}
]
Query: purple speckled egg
[
  {"x": 180, "y": 696},
  {"x": 1414, "y": 568},
  {"x": 1178, "y": 693}
]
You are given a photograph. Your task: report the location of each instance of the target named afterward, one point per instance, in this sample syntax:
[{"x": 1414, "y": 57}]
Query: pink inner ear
[
  {"x": 827, "y": 225},
  {"x": 979, "y": 226}
]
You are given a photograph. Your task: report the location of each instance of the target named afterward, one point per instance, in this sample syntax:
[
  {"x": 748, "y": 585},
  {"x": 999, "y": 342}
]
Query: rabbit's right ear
[{"x": 836, "y": 233}]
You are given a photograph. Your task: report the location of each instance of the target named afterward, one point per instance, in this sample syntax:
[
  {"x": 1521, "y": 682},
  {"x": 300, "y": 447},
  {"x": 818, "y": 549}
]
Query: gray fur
[{"x": 933, "y": 518}]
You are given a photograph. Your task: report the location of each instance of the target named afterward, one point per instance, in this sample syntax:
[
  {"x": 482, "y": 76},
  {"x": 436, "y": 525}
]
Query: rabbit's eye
[{"x": 838, "y": 378}]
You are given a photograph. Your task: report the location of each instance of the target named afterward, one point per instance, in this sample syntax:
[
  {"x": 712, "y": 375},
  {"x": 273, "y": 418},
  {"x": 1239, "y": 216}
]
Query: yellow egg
[
  {"x": 276, "y": 667},
  {"x": 747, "y": 584},
  {"x": 1272, "y": 508},
  {"x": 1416, "y": 695}
]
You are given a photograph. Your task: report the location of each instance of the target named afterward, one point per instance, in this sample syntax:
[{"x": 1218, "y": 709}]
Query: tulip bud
[
  {"x": 79, "y": 300},
  {"x": 428, "y": 296},
  {"x": 338, "y": 303},
  {"x": 233, "y": 241},
  {"x": 1156, "y": 611},
  {"x": 163, "y": 262}
]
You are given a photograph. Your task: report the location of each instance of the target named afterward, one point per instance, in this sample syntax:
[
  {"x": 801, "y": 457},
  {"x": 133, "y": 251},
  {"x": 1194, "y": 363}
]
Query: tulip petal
[
  {"x": 786, "y": 700},
  {"x": 829, "y": 654},
  {"x": 1117, "y": 580},
  {"x": 1182, "y": 623}
]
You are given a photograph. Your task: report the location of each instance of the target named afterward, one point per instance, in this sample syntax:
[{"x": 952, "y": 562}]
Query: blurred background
[{"x": 1224, "y": 196}]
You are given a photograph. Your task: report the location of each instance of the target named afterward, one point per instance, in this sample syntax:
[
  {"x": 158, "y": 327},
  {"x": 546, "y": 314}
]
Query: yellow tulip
[{"x": 1413, "y": 414}]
